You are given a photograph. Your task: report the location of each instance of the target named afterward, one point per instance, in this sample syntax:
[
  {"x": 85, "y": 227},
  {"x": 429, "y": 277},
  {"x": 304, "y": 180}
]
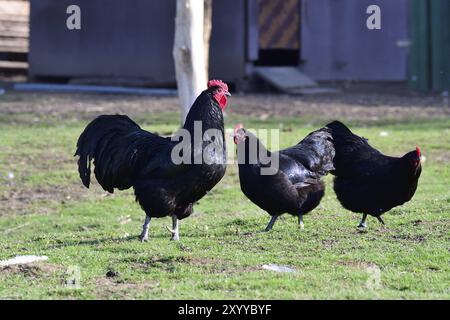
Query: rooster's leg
[
  {"x": 362, "y": 224},
  {"x": 174, "y": 230},
  {"x": 144, "y": 235},
  {"x": 271, "y": 223},
  {"x": 381, "y": 221},
  {"x": 300, "y": 221}
]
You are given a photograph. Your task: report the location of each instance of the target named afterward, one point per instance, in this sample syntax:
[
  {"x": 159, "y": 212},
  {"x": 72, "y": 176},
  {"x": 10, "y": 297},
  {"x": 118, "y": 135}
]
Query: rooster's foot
[
  {"x": 174, "y": 230},
  {"x": 144, "y": 235},
  {"x": 175, "y": 234}
]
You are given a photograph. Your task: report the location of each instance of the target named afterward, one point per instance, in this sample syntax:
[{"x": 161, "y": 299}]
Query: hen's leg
[
  {"x": 381, "y": 221},
  {"x": 174, "y": 230},
  {"x": 144, "y": 235},
  {"x": 363, "y": 224},
  {"x": 300, "y": 221},
  {"x": 271, "y": 223}
]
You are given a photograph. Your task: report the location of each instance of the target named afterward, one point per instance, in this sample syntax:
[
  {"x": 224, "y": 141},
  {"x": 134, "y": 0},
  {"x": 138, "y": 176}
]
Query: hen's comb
[
  {"x": 220, "y": 83},
  {"x": 418, "y": 151},
  {"x": 238, "y": 127}
]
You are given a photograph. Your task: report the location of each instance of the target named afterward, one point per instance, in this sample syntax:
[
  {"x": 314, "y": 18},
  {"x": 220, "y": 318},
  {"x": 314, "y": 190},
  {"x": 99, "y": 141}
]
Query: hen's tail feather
[
  {"x": 315, "y": 151},
  {"x": 96, "y": 143},
  {"x": 320, "y": 142},
  {"x": 343, "y": 138},
  {"x": 338, "y": 127}
]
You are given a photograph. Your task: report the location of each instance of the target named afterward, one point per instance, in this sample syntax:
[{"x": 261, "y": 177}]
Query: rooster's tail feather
[{"x": 95, "y": 143}]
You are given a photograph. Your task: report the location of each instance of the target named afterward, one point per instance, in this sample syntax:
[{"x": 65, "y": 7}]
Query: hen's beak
[{"x": 228, "y": 94}]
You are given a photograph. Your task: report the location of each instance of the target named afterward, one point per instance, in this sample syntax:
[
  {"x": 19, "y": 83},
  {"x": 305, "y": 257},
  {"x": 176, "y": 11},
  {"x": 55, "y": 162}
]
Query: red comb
[
  {"x": 219, "y": 83},
  {"x": 418, "y": 151},
  {"x": 238, "y": 126}
]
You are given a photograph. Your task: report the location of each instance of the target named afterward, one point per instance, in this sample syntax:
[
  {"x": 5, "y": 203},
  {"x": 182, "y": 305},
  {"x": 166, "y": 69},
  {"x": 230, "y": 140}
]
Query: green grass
[{"x": 222, "y": 249}]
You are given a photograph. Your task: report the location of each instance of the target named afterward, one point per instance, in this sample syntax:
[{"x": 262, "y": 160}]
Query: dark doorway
[{"x": 277, "y": 57}]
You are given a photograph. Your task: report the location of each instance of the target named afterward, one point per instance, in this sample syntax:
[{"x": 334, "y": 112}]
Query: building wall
[
  {"x": 112, "y": 41},
  {"x": 134, "y": 39},
  {"x": 336, "y": 44},
  {"x": 127, "y": 39}
]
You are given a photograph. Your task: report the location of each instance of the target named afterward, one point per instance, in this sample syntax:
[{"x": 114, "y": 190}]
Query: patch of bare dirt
[
  {"x": 442, "y": 156},
  {"x": 355, "y": 107},
  {"x": 208, "y": 265},
  {"x": 431, "y": 224},
  {"x": 410, "y": 238},
  {"x": 329, "y": 243},
  {"x": 18, "y": 199},
  {"x": 355, "y": 264},
  {"x": 107, "y": 287},
  {"x": 357, "y": 102},
  {"x": 35, "y": 270},
  {"x": 169, "y": 263},
  {"x": 80, "y": 106}
]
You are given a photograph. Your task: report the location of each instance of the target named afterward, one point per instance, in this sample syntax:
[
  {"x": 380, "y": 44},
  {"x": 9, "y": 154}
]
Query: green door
[{"x": 430, "y": 45}]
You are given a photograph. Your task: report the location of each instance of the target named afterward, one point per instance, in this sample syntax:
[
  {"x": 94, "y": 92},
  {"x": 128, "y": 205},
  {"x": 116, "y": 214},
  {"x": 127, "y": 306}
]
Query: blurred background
[{"x": 287, "y": 45}]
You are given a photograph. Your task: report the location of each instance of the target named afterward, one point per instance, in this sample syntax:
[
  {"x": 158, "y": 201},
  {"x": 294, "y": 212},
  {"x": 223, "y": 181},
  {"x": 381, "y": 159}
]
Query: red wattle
[{"x": 223, "y": 102}]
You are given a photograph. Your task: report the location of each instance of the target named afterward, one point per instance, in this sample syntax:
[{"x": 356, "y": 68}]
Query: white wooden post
[
  {"x": 189, "y": 53},
  {"x": 207, "y": 29}
]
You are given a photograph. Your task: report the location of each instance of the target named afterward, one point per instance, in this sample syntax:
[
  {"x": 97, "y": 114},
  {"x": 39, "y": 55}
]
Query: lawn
[{"x": 91, "y": 235}]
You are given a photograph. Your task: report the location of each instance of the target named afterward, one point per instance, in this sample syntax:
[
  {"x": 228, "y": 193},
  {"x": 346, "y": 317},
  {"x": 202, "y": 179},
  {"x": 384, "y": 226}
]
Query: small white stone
[
  {"x": 22, "y": 260},
  {"x": 10, "y": 175},
  {"x": 384, "y": 133},
  {"x": 277, "y": 268}
]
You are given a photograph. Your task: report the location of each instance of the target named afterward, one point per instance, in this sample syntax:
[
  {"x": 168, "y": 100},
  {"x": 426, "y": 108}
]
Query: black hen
[
  {"x": 294, "y": 184},
  {"x": 126, "y": 156},
  {"x": 366, "y": 180}
]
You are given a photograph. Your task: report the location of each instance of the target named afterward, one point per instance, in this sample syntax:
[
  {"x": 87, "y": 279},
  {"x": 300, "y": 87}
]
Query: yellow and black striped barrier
[{"x": 279, "y": 24}]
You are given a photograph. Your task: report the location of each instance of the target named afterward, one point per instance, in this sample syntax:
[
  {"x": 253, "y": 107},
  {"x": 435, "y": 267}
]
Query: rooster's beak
[{"x": 228, "y": 94}]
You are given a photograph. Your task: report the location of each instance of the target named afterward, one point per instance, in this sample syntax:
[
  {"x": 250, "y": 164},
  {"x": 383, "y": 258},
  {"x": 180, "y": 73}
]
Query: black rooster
[
  {"x": 366, "y": 180},
  {"x": 126, "y": 156},
  {"x": 294, "y": 186}
]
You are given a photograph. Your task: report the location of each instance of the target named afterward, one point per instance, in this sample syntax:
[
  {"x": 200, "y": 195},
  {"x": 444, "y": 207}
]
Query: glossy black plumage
[
  {"x": 367, "y": 181},
  {"x": 296, "y": 187},
  {"x": 127, "y": 156}
]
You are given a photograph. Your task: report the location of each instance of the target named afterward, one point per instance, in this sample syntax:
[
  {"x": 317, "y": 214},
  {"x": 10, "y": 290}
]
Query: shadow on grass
[{"x": 232, "y": 231}]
